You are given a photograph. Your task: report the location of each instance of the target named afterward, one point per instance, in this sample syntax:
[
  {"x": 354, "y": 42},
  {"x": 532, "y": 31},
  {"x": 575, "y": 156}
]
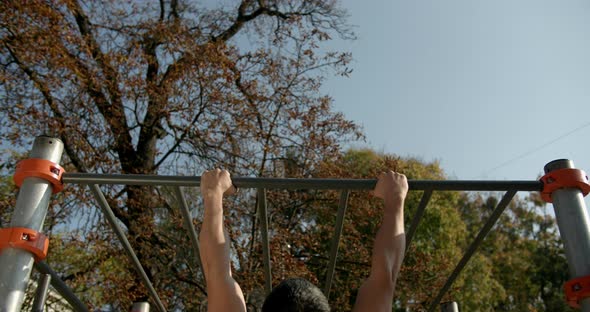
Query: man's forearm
[
  {"x": 223, "y": 292},
  {"x": 214, "y": 242},
  {"x": 390, "y": 242}
]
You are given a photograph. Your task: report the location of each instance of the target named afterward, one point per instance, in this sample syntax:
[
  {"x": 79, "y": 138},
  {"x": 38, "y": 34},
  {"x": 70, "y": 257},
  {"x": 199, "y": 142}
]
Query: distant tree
[
  {"x": 519, "y": 267},
  {"x": 434, "y": 251},
  {"x": 525, "y": 252},
  {"x": 7, "y": 199},
  {"x": 169, "y": 87}
]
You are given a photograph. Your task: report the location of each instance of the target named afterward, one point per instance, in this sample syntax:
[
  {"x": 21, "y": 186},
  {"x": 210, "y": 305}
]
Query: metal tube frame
[
  {"x": 140, "y": 307},
  {"x": 41, "y": 293},
  {"x": 574, "y": 226},
  {"x": 188, "y": 224},
  {"x": 417, "y": 217},
  {"x": 336, "y": 241},
  {"x": 263, "y": 216},
  {"x": 569, "y": 205},
  {"x": 449, "y": 307},
  {"x": 30, "y": 211},
  {"x": 359, "y": 184},
  {"x": 294, "y": 184},
  {"x": 61, "y": 287}
]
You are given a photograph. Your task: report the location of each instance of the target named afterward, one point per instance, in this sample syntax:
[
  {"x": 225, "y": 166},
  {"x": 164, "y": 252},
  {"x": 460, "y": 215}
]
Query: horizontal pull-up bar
[{"x": 319, "y": 184}]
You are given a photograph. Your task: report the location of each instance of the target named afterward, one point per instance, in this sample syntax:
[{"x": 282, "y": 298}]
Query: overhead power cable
[{"x": 536, "y": 149}]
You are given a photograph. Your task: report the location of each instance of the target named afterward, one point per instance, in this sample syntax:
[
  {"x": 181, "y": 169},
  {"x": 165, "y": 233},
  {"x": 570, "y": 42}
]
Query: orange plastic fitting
[
  {"x": 26, "y": 239},
  {"x": 40, "y": 168},
  {"x": 562, "y": 178},
  {"x": 576, "y": 290}
]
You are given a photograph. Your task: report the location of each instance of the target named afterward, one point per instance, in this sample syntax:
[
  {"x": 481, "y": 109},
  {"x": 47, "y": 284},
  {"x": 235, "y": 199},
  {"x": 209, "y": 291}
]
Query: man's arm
[
  {"x": 223, "y": 292},
  {"x": 376, "y": 293}
]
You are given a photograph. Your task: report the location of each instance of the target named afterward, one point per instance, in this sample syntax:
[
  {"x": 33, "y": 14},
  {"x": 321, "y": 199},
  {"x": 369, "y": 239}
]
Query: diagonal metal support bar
[
  {"x": 263, "y": 216},
  {"x": 417, "y": 217},
  {"x": 188, "y": 223},
  {"x": 473, "y": 247},
  {"x": 61, "y": 287},
  {"x": 106, "y": 210},
  {"x": 336, "y": 241}
]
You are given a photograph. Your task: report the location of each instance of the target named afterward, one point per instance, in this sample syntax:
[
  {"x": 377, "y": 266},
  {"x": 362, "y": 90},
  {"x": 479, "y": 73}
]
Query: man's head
[{"x": 296, "y": 295}]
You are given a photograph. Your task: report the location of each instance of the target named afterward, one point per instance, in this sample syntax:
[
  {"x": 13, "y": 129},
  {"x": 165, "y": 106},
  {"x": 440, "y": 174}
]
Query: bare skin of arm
[
  {"x": 376, "y": 293},
  {"x": 223, "y": 292}
]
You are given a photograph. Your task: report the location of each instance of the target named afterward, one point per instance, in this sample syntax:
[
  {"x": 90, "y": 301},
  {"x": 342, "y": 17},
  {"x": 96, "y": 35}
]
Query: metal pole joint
[
  {"x": 39, "y": 168},
  {"x": 576, "y": 290},
  {"x": 564, "y": 178},
  {"x": 26, "y": 239}
]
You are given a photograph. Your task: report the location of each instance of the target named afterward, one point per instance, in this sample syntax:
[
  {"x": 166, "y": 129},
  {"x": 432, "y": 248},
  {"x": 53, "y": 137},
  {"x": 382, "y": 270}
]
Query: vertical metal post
[
  {"x": 336, "y": 241},
  {"x": 141, "y": 307},
  {"x": 41, "y": 293},
  {"x": 61, "y": 287},
  {"x": 263, "y": 215},
  {"x": 574, "y": 226},
  {"x": 449, "y": 307},
  {"x": 29, "y": 212}
]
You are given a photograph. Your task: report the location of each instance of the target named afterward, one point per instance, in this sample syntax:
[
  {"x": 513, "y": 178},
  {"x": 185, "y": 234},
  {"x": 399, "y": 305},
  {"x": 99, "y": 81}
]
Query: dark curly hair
[{"x": 296, "y": 295}]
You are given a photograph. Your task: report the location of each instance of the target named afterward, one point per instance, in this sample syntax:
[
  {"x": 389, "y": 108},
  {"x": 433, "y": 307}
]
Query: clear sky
[{"x": 488, "y": 88}]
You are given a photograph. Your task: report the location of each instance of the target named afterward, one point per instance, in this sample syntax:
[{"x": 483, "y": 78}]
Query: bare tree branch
[{"x": 111, "y": 110}]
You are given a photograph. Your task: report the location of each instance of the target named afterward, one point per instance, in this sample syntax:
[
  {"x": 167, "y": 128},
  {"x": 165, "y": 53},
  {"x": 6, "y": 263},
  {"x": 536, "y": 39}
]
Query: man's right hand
[
  {"x": 216, "y": 182},
  {"x": 391, "y": 186}
]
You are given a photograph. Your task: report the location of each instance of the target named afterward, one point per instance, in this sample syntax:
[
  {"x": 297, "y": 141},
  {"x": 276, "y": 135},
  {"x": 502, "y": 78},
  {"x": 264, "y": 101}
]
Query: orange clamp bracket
[
  {"x": 562, "y": 178},
  {"x": 40, "y": 168},
  {"x": 576, "y": 290},
  {"x": 26, "y": 239}
]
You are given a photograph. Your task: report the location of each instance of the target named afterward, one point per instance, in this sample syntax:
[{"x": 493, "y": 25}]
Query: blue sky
[{"x": 488, "y": 88}]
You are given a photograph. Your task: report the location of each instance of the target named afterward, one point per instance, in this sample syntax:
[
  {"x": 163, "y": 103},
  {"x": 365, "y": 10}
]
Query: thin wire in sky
[{"x": 536, "y": 149}]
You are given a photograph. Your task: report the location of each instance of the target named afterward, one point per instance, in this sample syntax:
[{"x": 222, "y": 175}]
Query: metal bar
[
  {"x": 336, "y": 241},
  {"x": 140, "y": 307},
  {"x": 574, "y": 226},
  {"x": 106, "y": 210},
  {"x": 289, "y": 184},
  {"x": 30, "y": 211},
  {"x": 417, "y": 217},
  {"x": 188, "y": 223},
  {"x": 449, "y": 307},
  {"x": 61, "y": 287},
  {"x": 474, "y": 245},
  {"x": 41, "y": 293},
  {"x": 263, "y": 216}
]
